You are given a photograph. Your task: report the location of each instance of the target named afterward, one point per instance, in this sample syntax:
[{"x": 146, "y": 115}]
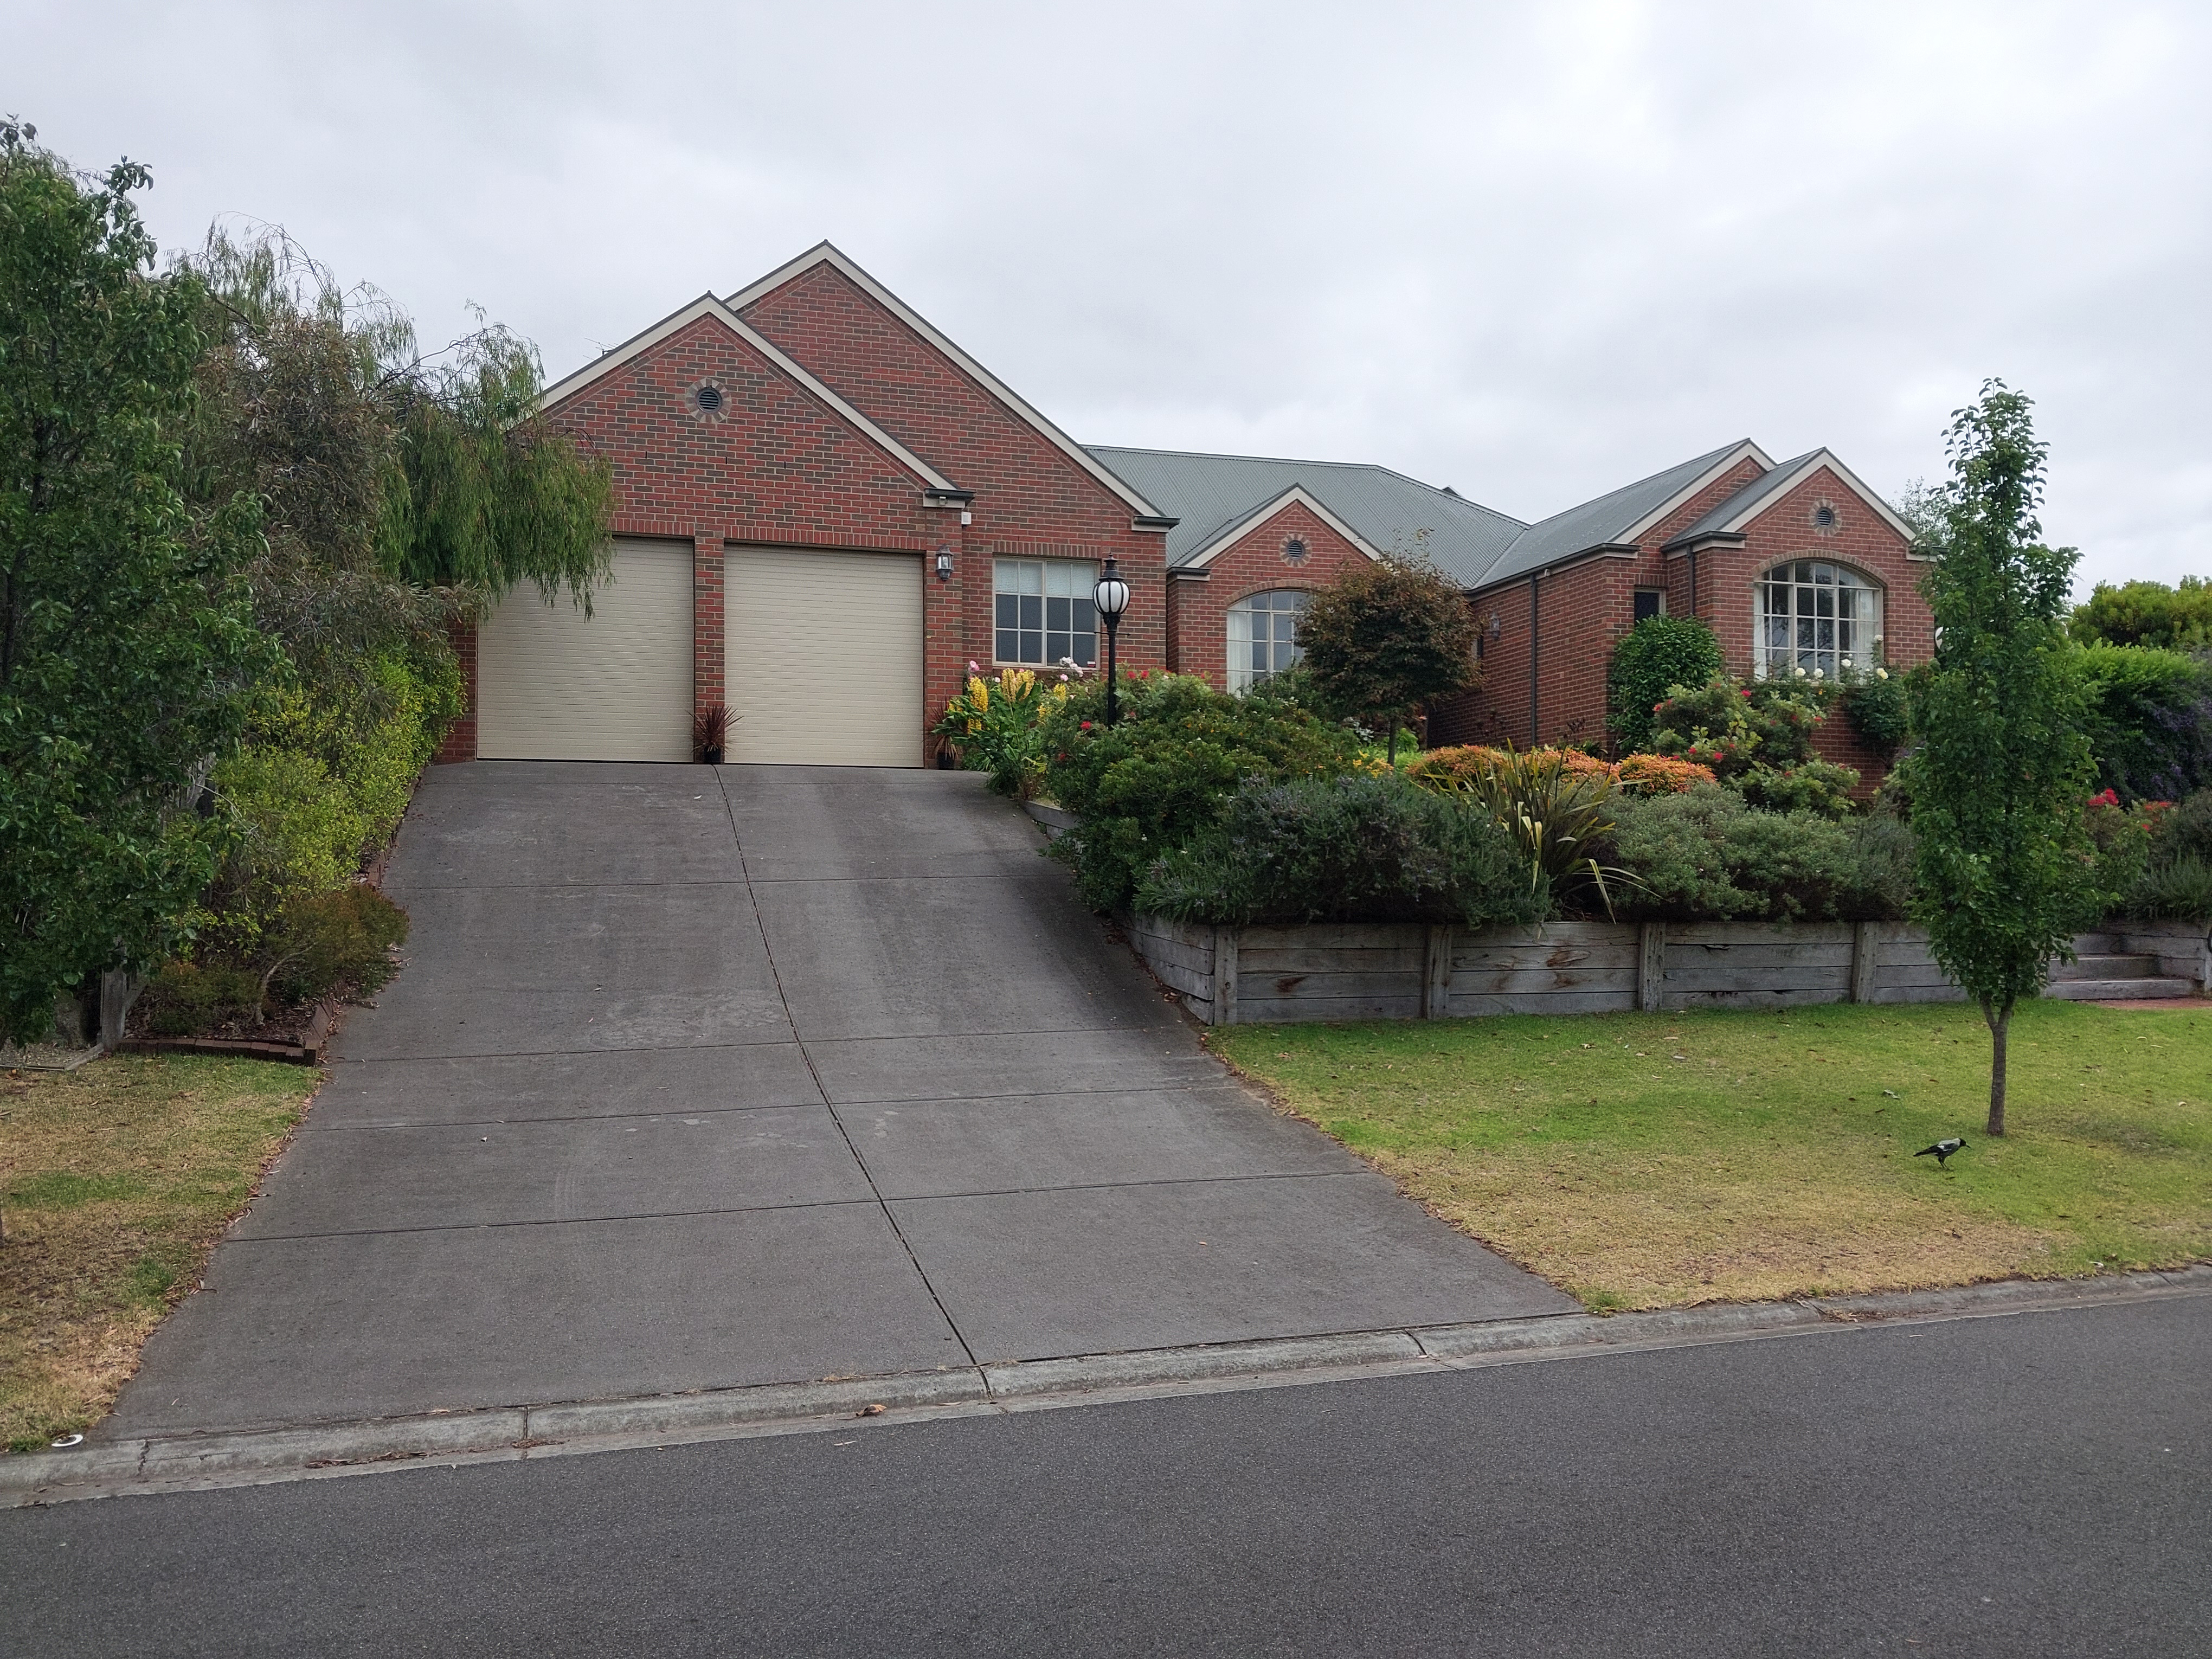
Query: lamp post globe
[{"x": 1112, "y": 597}]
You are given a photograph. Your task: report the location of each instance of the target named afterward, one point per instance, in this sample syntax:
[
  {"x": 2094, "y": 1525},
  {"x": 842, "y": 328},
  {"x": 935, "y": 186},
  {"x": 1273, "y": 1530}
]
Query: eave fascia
[
  {"x": 708, "y": 307},
  {"x": 1595, "y": 550},
  {"x": 827, "y": 254},
  {"x": 1682, "y": 545}
]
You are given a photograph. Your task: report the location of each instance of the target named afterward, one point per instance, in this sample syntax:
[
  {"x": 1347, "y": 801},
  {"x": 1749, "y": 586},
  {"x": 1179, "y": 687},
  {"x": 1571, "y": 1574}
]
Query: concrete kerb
[{"x": 169, "y": 1464}]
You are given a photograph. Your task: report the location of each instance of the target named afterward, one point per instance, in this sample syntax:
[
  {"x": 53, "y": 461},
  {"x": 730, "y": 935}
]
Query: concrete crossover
[{"x": 709, "y": 1080}]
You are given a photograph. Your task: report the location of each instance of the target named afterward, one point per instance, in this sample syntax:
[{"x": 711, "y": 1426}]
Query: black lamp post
[{"x": 1113, "y": 598}]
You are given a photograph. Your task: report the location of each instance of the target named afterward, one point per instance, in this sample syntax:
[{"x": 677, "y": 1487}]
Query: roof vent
[
  {"x": 710, "y": 398},
  {"x": 1824, "y": 518},
  {"x": 1294, "y": 550}
]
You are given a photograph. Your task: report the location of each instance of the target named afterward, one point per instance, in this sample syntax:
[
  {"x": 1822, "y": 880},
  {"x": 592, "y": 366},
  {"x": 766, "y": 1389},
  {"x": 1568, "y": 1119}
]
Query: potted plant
[{"x": 710, "y": 730}]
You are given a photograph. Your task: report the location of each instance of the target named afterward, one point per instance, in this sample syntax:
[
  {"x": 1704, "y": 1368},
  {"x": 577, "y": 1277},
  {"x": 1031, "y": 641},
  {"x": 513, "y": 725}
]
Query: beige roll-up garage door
[
  {"x": 821, "y": 657},
  {"x": 553, "y": 684}
]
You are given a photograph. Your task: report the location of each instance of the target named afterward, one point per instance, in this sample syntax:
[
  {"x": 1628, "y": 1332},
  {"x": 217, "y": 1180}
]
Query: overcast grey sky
[{"x": 1530, "y": 250}]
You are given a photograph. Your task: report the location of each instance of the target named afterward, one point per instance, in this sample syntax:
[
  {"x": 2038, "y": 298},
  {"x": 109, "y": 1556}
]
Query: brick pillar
[
  {"x": 706, "y": 570},
  {"x": 459, "y": 743}
]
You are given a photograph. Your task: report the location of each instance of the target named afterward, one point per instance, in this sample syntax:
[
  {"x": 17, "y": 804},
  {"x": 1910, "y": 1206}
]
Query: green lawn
[
  {"x": 115, "y": 1181},
  {"x": 1644, "y": 1160}
]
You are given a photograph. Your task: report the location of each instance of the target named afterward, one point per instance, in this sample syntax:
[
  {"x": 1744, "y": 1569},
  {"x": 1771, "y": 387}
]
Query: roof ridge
[{"x": 1440, "y": 490}]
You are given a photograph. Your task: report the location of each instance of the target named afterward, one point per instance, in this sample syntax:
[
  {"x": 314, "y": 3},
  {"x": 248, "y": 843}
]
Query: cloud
[{"x": 1530, "y": 251}]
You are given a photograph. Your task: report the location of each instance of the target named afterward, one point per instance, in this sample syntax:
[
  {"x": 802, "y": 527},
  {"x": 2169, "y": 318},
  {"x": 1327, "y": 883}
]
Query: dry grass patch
[
  {"x": 116, "y": 1180},
  {"x": 1646, "y": 1161}
]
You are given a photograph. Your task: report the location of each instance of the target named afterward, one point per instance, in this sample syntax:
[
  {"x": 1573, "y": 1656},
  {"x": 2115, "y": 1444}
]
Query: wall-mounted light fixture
[{"x": 944, "y": 564}]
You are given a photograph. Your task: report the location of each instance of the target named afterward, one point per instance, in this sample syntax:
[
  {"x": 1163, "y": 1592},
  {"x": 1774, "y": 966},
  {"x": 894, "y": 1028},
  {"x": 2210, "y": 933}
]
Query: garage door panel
[
  {"x": 822, "y": 656},
  {"x": 553, "y": 684}
]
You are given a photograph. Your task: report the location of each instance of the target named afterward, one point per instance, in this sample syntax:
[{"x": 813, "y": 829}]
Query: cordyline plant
[
  {"x": 2000, "y": 780},
  {"x": 1555, "y": 805}
]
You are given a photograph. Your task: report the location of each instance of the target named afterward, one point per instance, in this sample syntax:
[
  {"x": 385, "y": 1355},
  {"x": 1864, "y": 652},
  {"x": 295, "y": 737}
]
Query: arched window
[
  {"x": 1817, "y": 618},
  {"x": 1263, "y": 636}
]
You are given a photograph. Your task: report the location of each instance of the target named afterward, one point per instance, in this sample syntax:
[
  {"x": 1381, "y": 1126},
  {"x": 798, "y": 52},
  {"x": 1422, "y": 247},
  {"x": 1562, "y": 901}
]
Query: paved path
[
  {"x": 702, "y": 1079},
  {"x": 2005, "y": 1488}
]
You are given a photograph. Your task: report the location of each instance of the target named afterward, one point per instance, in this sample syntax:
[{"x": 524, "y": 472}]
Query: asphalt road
[{"x": 2035, "y": 1484}]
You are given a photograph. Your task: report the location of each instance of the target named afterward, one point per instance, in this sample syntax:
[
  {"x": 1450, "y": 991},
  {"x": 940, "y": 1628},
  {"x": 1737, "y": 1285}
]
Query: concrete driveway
[{"x": 698, "y": 1078}]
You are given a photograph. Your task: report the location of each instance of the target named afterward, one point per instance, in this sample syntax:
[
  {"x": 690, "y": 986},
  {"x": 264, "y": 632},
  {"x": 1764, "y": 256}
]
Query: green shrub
[
  {"x": 1881, "y": 877},
  {"x": 2186, "y": 831},
  {"x": 338, "y": 941},
  {"x": 1156, "y": 781},
  {"x": 2149, "y": 719},
  {"x": 1814, "y": 786},
  {"x": 1650, "y": 661},
  {"x": 185, "y": 1000},
  {"x": 1703, "y": 855},
  {"x": 2179, "y": 887},
  {"x": 2147, "y": 613},
  {"x": 1355, "y": 848}
]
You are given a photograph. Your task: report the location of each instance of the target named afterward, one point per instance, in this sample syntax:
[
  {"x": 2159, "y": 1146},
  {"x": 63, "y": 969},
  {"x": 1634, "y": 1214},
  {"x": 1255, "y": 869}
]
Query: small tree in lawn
[
  {"x": 1386, "y": 637},
  {"x": 1999, "y": 783}
]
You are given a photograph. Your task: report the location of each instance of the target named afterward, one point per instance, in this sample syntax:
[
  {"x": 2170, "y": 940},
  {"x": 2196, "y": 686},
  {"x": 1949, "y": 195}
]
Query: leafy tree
[
  {"x": 2149, "y": 716},
  {"x": 1649, "y": 661},
  {"x": 2000, "y": 781},
  {"x": 2147, "y": 613},
  {"x": 127, "y": 649},
  {"x": 1387, "y": 637}
]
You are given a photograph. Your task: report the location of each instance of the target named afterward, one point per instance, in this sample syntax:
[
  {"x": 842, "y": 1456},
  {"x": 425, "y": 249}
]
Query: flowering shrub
[
  {"x": 1757, "y": 740},
  {"x": 1651, "y": 659},
  {"x": 994, "y": 723},
  {"x": 1476, "y": 760},
  {"x": 1874, "y": 704},
  {"x": 1660, "y": 774}
]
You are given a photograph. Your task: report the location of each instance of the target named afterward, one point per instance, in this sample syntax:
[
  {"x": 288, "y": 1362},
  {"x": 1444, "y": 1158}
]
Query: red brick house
[{"x": 826, "y": 511}]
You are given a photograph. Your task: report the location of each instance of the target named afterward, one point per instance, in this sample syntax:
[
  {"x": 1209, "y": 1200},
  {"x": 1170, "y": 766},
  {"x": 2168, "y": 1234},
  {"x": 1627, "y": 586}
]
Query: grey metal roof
[
  {"x": 1211, "y": 494},
  {"x": 1749, "y": 497},
  {"x": 1597, "y": 523}
]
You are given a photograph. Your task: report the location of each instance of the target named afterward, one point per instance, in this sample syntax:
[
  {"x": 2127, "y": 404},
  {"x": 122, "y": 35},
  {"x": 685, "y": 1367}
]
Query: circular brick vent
[
  {"x": 709, "y": 399},
  {"x": 1294, "y": 550}
]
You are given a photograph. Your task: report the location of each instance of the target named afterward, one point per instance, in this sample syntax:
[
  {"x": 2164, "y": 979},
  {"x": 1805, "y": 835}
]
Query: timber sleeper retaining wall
[{"x": 1251, "y": 974}]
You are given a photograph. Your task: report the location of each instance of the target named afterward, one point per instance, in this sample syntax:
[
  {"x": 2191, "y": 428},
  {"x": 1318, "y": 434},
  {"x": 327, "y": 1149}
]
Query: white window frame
[
  {"x": 1845, "y": 639},
  {"x": 1038, "y": 579},
  {"x": 1244, "y": 672}
]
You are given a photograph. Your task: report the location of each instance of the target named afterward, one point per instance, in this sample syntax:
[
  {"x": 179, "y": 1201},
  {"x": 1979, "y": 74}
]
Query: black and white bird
[{"x": 1941, "y": 1149}]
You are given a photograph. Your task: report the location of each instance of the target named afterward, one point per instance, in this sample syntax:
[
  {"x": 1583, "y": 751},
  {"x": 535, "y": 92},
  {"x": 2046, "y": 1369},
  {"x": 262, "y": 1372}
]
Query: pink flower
[{"x": 974, "y": 667}]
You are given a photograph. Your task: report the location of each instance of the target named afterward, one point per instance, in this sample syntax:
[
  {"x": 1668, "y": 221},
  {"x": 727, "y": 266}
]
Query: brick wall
[{"x": 1254, "y": 563}]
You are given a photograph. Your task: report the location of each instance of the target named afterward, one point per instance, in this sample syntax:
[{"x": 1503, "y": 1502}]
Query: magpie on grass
[{"x": 1943, "y": 1150}]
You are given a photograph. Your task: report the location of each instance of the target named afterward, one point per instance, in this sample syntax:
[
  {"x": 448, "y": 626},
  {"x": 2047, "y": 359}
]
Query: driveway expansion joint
[{"x": 188, "y": 1462}]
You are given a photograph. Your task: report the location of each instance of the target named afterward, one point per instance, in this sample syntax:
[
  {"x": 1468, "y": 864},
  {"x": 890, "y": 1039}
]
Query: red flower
[
  {"x": 1086, "y": 726},
  {"x": 1747, "y": 693}
]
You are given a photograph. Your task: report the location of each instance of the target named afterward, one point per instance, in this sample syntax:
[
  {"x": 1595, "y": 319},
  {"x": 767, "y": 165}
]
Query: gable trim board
[
  {"x": 937, "y": 490},
  {"x": 1296, "y": 495},
  {"x": 1147, "y": 517}
]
